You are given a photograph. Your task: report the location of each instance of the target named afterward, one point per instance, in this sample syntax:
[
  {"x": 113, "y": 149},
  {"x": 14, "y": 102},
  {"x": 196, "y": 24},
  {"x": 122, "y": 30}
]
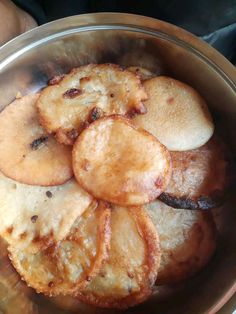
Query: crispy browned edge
[
  {"x": 104, "y": 231},
  {"x": 102, "y": 254},
  {"x": 201, "y": 202},
  {"x": 167, "y": 173},
  {"x": 62, "y": 136},
  {"x": 176, "y": 278},
  {"x": 149, "y": 234},
  {"x": 214, "y": 199}
]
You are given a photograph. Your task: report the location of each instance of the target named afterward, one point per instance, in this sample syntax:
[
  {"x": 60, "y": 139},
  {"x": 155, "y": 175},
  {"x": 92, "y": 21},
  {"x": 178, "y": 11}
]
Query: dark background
[{"x": 213, "y": 20}]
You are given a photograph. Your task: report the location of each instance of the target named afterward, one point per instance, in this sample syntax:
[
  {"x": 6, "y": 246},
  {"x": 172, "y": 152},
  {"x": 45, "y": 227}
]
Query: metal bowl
[{"x": 27, "y": 62}]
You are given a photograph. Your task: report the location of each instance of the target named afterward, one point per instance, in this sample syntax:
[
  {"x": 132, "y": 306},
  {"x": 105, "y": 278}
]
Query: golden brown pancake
[
  {"x": 118, "y": 163},
  {"x": 28, "y": 154},
  {"x": 86, "y": 94}
]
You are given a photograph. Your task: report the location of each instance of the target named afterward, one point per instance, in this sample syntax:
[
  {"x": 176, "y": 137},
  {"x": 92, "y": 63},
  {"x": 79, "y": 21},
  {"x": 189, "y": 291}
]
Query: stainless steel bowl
[{"x": 27, "y": 62}]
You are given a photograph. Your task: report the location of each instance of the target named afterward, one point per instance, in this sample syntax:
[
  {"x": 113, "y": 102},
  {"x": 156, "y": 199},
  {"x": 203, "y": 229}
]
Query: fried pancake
[
  {"x": 28, "y": 154},
  {"x": 143, "y": 73},
  {"x": 86, "y": 94},
  {"x": 187, "y": 240},
  {"x": 176, "y": 114},
  {"x": 199, "y": 177},
  {"x": 119, "y": 163},
  {"x": 69, "y": 265},
  {"x": 14, "y": 294},
  {"x": 126, "y": 278},
  {"x": 32, "y": 216}
]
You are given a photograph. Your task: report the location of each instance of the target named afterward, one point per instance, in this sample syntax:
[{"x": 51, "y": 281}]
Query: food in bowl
[
  {"x": 86, "y": 94},
  {"x": 133, "y": 142},
  {"x": 187, "y": 240},
  {"x": 20, "y": 117}
]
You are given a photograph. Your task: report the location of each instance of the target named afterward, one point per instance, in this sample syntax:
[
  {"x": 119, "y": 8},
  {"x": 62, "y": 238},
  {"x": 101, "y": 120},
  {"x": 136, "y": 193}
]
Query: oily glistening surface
[{"x": 102, "y": 195}]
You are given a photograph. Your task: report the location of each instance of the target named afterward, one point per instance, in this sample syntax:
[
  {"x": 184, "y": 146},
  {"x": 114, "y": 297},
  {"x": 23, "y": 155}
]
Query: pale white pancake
[
  {"x": 28, "y": 154},
  {"x": 34, "y": 216},
  {"x": 187, "y": 240},
  {"x": 176, "y": 114}
]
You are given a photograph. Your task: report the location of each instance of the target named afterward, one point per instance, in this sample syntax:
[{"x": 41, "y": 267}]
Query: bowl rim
[
  {"x": 120, "y": 21},
  {"x": 223, "y": 300}
]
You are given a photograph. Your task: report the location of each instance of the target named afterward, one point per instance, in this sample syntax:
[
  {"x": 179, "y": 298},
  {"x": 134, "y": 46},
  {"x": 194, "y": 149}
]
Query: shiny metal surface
[{"x": 27, "y": 62}]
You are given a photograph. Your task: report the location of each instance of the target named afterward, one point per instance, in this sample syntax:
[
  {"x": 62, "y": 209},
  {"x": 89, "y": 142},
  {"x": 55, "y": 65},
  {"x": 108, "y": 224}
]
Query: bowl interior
[{"x": 28, "y": 68}]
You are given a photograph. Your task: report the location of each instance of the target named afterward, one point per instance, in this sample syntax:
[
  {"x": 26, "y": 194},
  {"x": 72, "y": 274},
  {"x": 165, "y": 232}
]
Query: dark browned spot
[
  {"x": 178, "y": 202},
  {"x": 95, "y": 114},
  {"x": 132, "y": 113},
  {"x": 23, "y": 156},
  {"x": 72, "y": 93},
  {"x": 158, "y": 182},
  {"x": 102, "y": 273},
  {"x": 88, "y": 278},
  {"x": 51, "y": 284},
  {"x": 23, "y": 235},
  {"x": 34, "y": 218},
  {"x": 112, "y": 95},
  {"x": 39, "y": 142},
  {"x": 201, "y": 202},
  {"x": 206, "y": 202},
  {"x": 56, "y": 79},
  {"x": 44, "y": 241},
  {"x": 52, "y": 251},
  {"x": 9, "y": 230},
  {"x": 49, "y": 194},
  {"x": 84, "y": 125},
  {"x": 107, "y": 204},
  {"x": 130, "y": 274},
  {"x": 36, "y": 239},
  {"x": 73, "y": 134},
  {"x": 170, "y": 100}
]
